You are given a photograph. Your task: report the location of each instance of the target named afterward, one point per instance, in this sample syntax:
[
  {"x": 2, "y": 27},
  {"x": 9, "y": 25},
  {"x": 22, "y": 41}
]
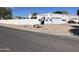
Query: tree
[
  {"x": 8, "y": 13},
  {"x": 5, "y": 13},
  {"x": 61, "y": 12},
  {"x": 65, "y": 12},
  {"x": 77, "y": 12},
  {"x": 34, "y": 16},
  {"x": 8, "y": 17},
  {"x": 58, "y": 12}
]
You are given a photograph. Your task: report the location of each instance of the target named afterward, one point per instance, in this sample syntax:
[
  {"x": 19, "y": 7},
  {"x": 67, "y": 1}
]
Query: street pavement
[{"x": 14, "y": 40}]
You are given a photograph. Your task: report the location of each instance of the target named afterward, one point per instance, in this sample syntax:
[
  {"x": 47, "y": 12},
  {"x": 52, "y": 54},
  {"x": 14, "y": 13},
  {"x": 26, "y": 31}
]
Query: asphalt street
[{"x": 14, "y": 40}]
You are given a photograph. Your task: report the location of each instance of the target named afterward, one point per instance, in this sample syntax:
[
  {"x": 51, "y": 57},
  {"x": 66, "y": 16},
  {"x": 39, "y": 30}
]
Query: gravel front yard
[{"x": 59, "y": 29}]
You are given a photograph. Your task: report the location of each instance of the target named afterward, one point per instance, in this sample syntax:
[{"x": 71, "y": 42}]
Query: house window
[
  {"x": 46, "y": 19},
  {"x": 56, "y": 18},
  {"x": 63, "y": 20},
  {"x": 50, "y": 19},
  {"x": 39, "y": 19}
]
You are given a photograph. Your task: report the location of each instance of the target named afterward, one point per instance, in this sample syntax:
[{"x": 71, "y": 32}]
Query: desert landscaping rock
[{"x": 56, "y": 29}]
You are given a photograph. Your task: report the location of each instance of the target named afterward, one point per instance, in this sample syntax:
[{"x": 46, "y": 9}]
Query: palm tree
[{"x": 5, "y": 13}]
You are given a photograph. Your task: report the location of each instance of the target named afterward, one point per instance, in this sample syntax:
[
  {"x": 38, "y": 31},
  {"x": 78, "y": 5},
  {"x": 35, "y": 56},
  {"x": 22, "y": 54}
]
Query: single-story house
[{"x": 52, "y": 18}]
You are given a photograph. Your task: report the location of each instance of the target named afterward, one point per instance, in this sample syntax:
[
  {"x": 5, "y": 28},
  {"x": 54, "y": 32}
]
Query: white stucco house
[{"x": 51, "y": 18}]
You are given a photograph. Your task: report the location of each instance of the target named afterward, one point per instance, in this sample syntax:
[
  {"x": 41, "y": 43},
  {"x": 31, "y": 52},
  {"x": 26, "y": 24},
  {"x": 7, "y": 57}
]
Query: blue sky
[{"x": 24, "y": 11}]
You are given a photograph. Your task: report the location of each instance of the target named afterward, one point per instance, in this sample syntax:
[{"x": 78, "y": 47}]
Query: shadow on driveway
[{"x": 75, "y": 30}]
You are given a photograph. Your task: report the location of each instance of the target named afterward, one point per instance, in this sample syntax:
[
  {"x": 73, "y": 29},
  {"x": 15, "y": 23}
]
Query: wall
[
  {"x": 31, "y": 21},
  {"x": 20, "y": 22}
]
